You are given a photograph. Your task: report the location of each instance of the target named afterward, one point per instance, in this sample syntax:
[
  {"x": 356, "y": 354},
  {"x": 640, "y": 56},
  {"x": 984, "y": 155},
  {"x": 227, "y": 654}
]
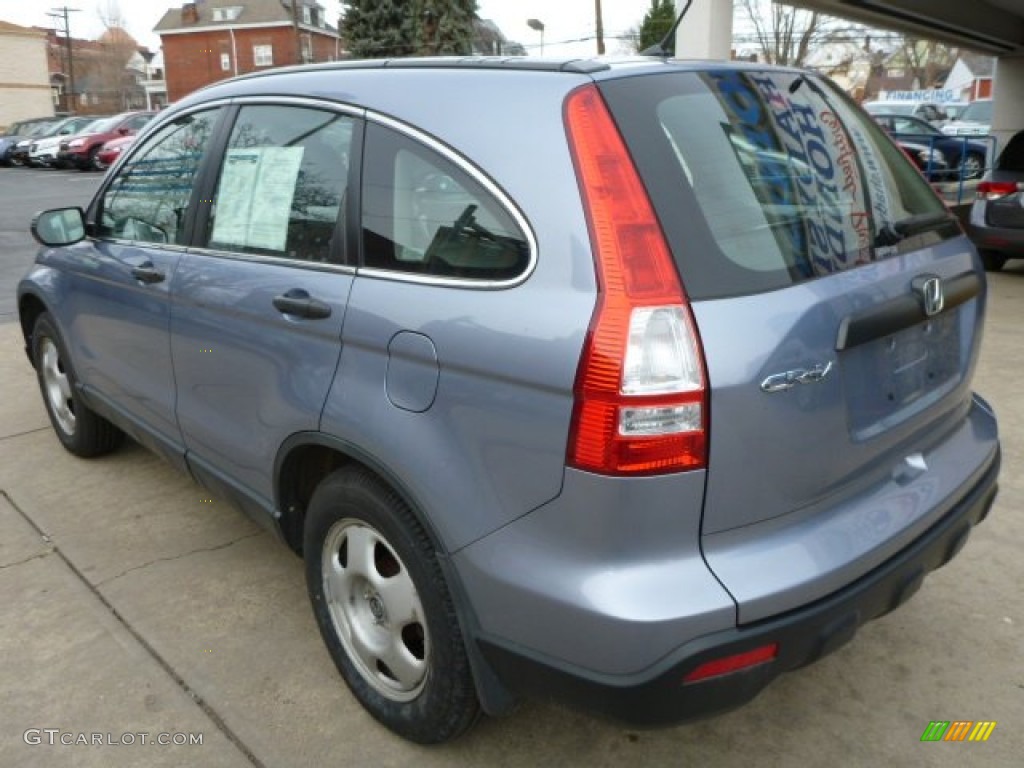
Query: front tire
[
  {"x": 973, "y": 166},
  {"x": 79, "y": 429},
  {"x": 384, "y": 609},
  {"x": 89, "y": 163}
]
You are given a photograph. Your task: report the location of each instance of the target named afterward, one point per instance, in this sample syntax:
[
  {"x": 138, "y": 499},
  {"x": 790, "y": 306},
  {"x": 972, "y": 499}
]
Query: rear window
[{"x": 767, "y": 179}]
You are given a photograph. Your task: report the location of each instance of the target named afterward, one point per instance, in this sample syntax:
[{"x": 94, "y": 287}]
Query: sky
[{"x": 563, "y": 19}]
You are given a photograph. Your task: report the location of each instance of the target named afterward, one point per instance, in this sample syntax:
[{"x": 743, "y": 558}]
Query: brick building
[
  {"x": 110, "y": 73},
  {"x": 24, "y": 86},
  {"x": 204, "y": 42}
]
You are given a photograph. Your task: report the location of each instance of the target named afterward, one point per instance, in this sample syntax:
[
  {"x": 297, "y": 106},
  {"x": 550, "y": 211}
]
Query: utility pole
[
  {"x": 298, "y": 36},
  {"x": 58, "y": 13},
  {"x": 600, "y": 27}
]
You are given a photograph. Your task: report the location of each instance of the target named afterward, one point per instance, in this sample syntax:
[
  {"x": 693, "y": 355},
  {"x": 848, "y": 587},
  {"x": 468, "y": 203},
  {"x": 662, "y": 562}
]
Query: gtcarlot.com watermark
[{"x": 55, "y": 737}]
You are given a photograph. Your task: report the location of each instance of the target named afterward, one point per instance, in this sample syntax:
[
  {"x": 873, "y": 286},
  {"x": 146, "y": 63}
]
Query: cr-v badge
[{"x": 782, "y": 381}]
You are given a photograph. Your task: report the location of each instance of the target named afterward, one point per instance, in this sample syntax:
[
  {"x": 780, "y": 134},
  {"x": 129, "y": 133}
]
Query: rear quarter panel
[{"x": 492, "y": 446}]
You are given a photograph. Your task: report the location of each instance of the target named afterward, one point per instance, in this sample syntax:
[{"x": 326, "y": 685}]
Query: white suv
[{"x": 42, "y": 152}]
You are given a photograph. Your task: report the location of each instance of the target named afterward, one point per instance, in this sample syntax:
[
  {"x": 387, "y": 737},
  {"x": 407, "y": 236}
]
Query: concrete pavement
[{"x": 130, "y": 603}]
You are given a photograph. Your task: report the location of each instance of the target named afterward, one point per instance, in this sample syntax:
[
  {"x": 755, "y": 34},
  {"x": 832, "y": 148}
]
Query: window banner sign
[{"x": 807, "y": 174}]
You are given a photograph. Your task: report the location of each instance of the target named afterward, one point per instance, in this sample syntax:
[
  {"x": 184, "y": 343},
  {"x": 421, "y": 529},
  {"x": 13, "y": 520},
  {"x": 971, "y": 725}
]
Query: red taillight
[
  {"x": 736, "y": 663},
  {"x": 641, "y": 404},
  {"x": 993, "y": 190}
]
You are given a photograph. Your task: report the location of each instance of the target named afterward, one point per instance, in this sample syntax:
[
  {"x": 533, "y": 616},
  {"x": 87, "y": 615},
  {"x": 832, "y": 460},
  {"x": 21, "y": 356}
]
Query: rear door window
[{"x": 767, "y": 179}]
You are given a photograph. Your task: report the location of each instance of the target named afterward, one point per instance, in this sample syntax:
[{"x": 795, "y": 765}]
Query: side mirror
[
  {"x": 61, "y": 226},
  {"x": 124, "y": 131}
]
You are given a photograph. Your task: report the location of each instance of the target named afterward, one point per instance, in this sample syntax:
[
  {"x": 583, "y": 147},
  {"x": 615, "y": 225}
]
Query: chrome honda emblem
[{"x": 931, "y": 295}]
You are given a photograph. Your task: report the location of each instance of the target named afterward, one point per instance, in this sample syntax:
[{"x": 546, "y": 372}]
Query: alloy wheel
[
  {"x": 57, "y": 386},
  {"x": 375, "y": 609}
]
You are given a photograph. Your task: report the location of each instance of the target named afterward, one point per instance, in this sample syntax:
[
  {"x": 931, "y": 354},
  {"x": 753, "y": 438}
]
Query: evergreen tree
[
  {"x": 443, "y": 27},
  {"x": 374, "y": 29},
  {"x": 656, "y": 24}
]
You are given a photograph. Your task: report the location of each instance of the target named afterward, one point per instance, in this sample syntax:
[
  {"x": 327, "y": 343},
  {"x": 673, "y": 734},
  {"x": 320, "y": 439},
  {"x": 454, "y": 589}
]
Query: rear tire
[
  {"x": 384, "y": 609},
  {"x": 992, "y": 261},
  {"x": 80, "y": 430}
]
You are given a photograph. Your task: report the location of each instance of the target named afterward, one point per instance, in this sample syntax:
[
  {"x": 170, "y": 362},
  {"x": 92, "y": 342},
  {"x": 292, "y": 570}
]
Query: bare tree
[
  {"x": 928, "y": 61},
  {"x": 785, "y": 35},
  {"x": 113, "y": 83}
]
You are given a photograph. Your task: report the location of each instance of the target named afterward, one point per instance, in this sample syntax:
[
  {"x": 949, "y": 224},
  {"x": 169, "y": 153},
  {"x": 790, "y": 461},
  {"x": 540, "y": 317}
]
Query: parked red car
[
  {"x": 112, "y": 150},
  {"x": 81, "y": 151}
]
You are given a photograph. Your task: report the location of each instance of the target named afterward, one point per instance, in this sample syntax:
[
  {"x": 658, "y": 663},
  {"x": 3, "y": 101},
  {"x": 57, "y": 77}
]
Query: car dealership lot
[
  {"x": 132, "y": 601},
  {"x": 23, "y": 193}
]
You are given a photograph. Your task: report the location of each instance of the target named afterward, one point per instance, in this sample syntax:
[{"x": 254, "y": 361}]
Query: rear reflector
[
  {"x": 640, "y": 395},
  {"x": 993, "y": 190},
  {"x": 729, "y": 664}
]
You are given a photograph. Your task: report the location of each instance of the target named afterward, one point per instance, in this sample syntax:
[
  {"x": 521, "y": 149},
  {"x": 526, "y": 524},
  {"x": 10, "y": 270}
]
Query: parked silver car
[
  {"x": 997, "y": 215},
  {"x": 633, "y": 383}
]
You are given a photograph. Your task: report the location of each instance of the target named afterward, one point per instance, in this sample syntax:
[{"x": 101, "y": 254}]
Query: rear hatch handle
[{"x": 929, "y": 295}]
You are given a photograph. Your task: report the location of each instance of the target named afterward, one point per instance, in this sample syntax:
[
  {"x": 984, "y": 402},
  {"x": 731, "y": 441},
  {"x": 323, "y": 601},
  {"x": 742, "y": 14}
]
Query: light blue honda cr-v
[{"x": 632, "y": 383}]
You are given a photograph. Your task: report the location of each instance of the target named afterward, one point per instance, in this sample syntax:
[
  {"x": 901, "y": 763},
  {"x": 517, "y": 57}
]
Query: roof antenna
[{"x": 667, "y": 46}]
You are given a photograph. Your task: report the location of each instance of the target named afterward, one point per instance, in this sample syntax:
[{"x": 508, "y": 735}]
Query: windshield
[
  {"x": 96, "y": 126},
  {"x": 978, "y": 111},
  {"x": 105, "y": 125},
  {"x": 66, "y": 126},
  {"x": 19, "y": 129},
  {"x": 38, "y": 129},
  {"x": 916, "y": 126}
]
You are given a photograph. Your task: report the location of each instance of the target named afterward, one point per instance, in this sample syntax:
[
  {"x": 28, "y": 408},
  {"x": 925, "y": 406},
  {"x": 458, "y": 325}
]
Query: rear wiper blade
[
  {"x": 894, "y": 232},
  {"x": 922, "y": 222}
]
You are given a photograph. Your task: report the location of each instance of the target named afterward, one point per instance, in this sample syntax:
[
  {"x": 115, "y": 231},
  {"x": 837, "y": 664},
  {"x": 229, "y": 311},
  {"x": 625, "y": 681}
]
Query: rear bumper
[
  {"x": 657, "y": 696},
  {"x": 1005, "y": 240},
  {"x": 72, "y": 159}
]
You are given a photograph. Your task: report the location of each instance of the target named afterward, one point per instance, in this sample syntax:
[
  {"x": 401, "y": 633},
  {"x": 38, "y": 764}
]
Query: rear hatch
[{"x": 839, "y": 311}]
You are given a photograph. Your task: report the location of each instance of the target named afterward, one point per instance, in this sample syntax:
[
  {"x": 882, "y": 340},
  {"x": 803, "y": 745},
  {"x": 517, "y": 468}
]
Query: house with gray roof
[{"x": 971, "y": 76}]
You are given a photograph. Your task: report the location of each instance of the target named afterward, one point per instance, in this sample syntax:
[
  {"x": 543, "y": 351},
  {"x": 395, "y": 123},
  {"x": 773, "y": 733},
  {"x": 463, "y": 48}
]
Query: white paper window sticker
[{"x": 254, "y": 201}]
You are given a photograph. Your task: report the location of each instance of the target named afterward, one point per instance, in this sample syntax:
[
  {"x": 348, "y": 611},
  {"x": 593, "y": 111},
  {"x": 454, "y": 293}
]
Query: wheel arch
[
  {"x": 305, "y": 459},
  {"x": 30, "y": 307}
]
